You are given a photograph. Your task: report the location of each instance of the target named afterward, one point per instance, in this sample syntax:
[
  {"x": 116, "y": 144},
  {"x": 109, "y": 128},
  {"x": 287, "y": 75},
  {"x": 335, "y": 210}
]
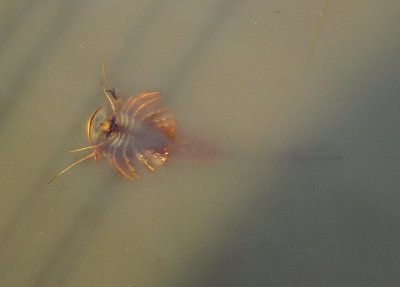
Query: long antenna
[
  {"x": 83, "y": 148},
  {"x": 104, "y": 74},
  {"x": 71, "y": 166},
  {"x": 109, "y": 99},
  {"x": 89, "y": 124},
  {"x": 105, "y": 83}
]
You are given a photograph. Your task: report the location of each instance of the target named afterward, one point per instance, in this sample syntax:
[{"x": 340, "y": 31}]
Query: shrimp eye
[{"x": 105, "y": 126}]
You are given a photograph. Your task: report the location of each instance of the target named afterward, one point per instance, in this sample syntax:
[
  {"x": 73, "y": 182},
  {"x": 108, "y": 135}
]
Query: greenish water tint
[{"x": 304, "y": 193}]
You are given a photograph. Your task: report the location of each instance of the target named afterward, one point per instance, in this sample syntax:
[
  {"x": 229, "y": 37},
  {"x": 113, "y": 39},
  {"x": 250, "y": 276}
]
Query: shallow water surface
[{"x": 300, "y": 97}]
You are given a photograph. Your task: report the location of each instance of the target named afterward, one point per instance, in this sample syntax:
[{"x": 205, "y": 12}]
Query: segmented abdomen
[{"x": 145, "y": 130}]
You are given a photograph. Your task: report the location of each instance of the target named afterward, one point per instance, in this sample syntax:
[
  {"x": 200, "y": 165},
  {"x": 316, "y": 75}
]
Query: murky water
[{"x": 301, "y": 97}]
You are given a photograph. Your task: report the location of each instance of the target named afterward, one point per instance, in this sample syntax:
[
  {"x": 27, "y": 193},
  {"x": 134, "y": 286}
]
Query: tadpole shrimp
[{"x": 136, "y": 133}]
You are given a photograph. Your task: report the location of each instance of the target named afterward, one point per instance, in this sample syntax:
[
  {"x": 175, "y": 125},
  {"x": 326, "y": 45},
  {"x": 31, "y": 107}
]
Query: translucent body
[{"x": 133, "y": 134}]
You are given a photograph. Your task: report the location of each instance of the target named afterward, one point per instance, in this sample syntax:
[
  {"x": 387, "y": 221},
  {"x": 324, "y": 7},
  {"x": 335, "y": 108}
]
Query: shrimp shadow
[{"x": 319, "y": 223}]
